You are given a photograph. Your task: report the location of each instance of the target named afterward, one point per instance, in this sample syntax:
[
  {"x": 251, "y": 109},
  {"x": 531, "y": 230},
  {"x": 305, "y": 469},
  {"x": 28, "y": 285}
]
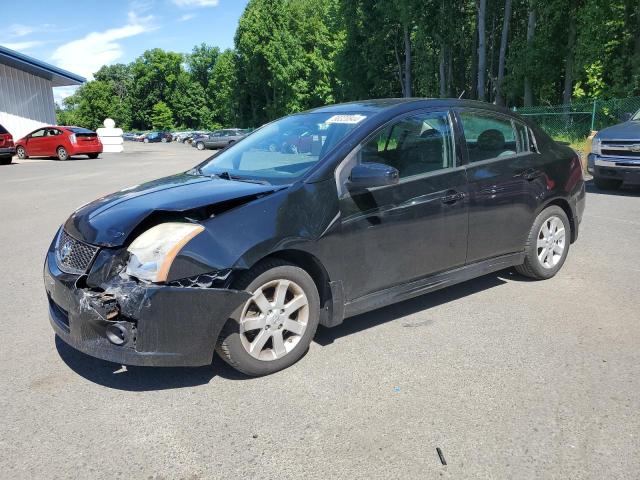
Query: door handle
[
  {"x": 529, "y": 174},
  {"x": 452, "y": 197}
]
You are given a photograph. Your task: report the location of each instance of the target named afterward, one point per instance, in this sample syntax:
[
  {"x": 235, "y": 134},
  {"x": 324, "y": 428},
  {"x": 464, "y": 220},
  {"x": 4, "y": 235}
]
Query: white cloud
[
  {"x": 196, "y": 3},
  {"x": 187, "y": 16},
  {"x": 22, "y": 46},
  {"x": 86, "y": 55},
  {"x": 19, "y": 30},
  {"x": 60, "y": 93}
]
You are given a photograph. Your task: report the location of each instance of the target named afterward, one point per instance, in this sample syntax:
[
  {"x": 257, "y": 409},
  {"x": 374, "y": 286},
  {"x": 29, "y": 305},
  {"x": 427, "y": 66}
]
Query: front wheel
[
  {"x": 274, "y": 328},
  {"x": 164, "y": 140},
  {"x": 146, "y": 140},
  {"x": 200, "y": 146},
  {"x": 6, "y": 160},
  {"x": 21, "y": 153},
  {"x": 607, "y": 183},
  {"x": 62, "y": 153},
  {"x": 547, "y": 244}
]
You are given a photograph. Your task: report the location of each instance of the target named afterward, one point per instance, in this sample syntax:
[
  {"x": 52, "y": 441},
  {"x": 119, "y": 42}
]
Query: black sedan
[
  {"x": 247, "y": 253},
  {"x": 156, "y": 137}
]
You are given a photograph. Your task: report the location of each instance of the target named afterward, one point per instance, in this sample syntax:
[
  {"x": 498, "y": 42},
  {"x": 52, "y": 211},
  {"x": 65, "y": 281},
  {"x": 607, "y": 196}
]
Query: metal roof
[{"x": 57, "y": 76}]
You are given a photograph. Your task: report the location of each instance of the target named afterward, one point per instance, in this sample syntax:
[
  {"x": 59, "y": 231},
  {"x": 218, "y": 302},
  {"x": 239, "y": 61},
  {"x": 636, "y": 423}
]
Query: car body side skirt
[{"x": 419, "y": 287}]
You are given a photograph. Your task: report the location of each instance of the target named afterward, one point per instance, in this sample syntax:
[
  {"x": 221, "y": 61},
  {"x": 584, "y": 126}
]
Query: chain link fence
[{"x": 574, "y": 122}]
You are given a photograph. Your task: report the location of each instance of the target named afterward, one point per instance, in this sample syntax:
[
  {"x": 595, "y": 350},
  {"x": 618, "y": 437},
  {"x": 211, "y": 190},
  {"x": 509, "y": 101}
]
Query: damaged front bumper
[{"x": 137, "y": 324}]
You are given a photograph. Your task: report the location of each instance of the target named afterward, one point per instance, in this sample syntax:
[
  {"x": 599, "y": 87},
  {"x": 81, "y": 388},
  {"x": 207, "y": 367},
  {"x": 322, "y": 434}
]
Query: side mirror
[
  {"x": 625, "y": 117},
  {"x": 369, "y": 175}
]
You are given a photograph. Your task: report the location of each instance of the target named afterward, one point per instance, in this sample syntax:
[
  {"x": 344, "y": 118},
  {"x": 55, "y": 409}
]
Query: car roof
[{"x": 380, "y": 105}]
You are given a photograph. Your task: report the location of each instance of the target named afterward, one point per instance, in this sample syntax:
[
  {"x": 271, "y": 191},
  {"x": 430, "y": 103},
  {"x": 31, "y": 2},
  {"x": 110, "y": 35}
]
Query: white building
[{"x": 26, "y": 95}]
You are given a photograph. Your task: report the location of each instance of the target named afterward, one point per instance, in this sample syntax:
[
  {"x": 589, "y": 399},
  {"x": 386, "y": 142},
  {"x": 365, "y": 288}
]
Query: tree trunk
[
  {"x": 503, "y": 51},
  {"x": 568, "y": 61},
  {"x": 482, "y": 49},
  {"x": 443, "y": 80},
  {"x": 400, "y": 77},
  {"x": 531, "y": 28},
  {"x": 407, "y": 62}
]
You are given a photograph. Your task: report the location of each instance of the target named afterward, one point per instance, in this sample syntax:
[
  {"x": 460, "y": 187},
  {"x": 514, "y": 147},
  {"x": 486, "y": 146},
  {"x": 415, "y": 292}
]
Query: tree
[
  {"x": 503, "y": 51},
  {"x": 161, "y": 117},
  {"x": 201, "y": 63},
  {"x": 222, "y": 90},
  {"x": 482, "y": 48}
]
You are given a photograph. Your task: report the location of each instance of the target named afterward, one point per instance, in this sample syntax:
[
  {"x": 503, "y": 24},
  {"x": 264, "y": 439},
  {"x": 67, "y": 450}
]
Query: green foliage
[
  {"x": 161, "y": 117},
  {"x": 293, "y": 55}
]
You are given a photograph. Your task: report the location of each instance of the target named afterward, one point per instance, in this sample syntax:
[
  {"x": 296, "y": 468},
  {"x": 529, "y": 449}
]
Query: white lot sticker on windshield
[{"x": 350, "y": 119}]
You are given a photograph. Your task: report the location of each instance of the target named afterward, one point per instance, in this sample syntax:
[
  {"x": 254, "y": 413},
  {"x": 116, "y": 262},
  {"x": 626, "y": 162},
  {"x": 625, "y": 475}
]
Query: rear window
[
  {"x": 3, "y": 130},
  {"x": 81, "y": 131}
]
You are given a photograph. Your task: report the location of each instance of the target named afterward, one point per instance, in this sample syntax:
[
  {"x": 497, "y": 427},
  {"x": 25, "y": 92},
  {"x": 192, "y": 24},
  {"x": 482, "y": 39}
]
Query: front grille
[
  {"x": 73, "y": 256},
  {"x": 620, "y": 153}
]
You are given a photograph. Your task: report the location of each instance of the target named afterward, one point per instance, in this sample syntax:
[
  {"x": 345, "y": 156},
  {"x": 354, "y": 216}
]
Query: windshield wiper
[{"x": 228, "y": 176}]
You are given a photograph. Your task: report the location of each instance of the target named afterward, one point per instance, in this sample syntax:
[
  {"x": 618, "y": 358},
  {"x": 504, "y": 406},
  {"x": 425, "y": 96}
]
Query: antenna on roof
[{"x": 463, "y": 92}]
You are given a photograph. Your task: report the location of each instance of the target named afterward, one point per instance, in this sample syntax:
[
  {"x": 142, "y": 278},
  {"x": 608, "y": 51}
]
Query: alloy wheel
[
  {"x": 62, "y": 154},
  {"x": 274, "y": 319},
  {"x": 551, "y": 242},
  {"x": 200, "y": 146},
  {"x": 21, "y": 152}
]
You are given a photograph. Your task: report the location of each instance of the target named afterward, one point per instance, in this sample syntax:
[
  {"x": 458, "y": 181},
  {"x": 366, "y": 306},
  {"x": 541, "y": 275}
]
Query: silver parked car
[{"x": 219, "y": 138}]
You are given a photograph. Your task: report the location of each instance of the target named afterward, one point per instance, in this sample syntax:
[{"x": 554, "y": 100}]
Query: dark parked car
[
  {"x": 155, "y": 137},
  {"x": 7, "y": 148},
  {"x": 251, "y": 250},
  {"x": 219, "y": 139},
  {"x": 615, "y": 155}
]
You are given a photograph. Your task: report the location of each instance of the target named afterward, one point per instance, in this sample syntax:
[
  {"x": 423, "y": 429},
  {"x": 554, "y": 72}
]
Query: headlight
[
  {"x": 596, "y": 146},
  {"x": 153, "y": 252}
]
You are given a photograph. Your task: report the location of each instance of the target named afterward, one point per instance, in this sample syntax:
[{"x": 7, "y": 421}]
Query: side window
[
  {"x": 38, "y": 133},
  {"x": 489, "y": 136},
  {"x": 415, "y": 145}
]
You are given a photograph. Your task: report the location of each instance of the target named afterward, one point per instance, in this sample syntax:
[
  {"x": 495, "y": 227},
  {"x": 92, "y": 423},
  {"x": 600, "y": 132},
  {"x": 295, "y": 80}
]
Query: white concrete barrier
[{"x": 110, "y": 137}]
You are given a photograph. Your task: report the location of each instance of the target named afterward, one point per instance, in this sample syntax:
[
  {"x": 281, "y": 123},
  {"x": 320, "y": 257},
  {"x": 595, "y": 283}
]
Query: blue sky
[{"x": 81, "y": 36}]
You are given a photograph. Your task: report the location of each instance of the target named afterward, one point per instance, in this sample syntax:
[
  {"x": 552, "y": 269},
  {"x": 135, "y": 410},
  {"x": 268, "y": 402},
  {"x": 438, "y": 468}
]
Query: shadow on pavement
[{"x": 141, "y": 379}]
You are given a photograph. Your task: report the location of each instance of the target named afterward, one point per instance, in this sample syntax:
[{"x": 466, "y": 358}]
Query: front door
[
  {"x": 503, "y": 184},
  {"x": 403, "y": 232},
  {"x": 36, "y": 143}
]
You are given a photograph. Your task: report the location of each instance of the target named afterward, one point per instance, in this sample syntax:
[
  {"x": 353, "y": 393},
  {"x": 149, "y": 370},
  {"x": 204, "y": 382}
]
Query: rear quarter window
[
  {"x": 3, "y": 130},
  {"x": 78, "y": 130}
]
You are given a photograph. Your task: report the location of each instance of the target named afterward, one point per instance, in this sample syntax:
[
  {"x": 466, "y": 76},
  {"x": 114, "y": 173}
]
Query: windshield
[
  {"x": 282, "y": 151},
  {"x": 636, "y": 116}
]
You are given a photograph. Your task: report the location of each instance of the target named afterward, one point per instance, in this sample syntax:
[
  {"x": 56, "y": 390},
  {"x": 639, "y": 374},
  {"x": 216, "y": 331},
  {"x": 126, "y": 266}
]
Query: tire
[
  {"x": 21, "y": 153},
  {"x": 6, "y": 160},
  {"x": 607, "y": 183},
  {"x": 200, "y": 146},
  {"x": 146, "y": 140},
  {"x": 236, "y": 341},
  {"x": 62, "y": 154},
  {"x": 93, "y": 156},
  {"x": 164, "y": 140},
  {"x": 231, "y": 143},
  {"x": 538, "y": 264}
]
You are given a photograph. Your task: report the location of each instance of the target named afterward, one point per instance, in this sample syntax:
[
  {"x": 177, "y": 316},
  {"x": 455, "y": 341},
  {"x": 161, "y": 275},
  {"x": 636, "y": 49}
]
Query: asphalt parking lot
[{"x": 509, "y": 378}]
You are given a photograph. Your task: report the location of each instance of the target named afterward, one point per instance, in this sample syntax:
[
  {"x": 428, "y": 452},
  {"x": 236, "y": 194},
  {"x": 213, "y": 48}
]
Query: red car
[{"x": 61, "y": 142}]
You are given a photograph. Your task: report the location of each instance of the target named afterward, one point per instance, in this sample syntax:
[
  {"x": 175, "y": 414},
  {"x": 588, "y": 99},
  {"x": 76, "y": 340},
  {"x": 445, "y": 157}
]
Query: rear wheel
[
  {"x": 547, "y": 244},
  {"x": 607, "y": 183},
  {"x": 146, "y": 140},
  {"x": 93, "y": 155},
  {"x": 21, "y": 153},
  {"x": 6, "y": 160},
  {"x": 200, "y": 146},
  {"x": 62, "y": 153},
  {"x": 274, "y": 328},
  {"x": 164, "y": 140}
]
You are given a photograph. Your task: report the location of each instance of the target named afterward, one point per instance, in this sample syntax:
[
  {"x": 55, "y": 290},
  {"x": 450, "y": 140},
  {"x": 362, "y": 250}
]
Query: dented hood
[{"x": 109, "y": 220}]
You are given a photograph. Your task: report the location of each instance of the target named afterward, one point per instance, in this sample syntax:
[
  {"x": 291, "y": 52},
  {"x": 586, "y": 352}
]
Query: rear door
[
  {"x": 36, "y": 143},
  {"x": 503, "y": 183},
  {"x": 404, "y": 232},
  {"x": 51, "y": 140}
]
